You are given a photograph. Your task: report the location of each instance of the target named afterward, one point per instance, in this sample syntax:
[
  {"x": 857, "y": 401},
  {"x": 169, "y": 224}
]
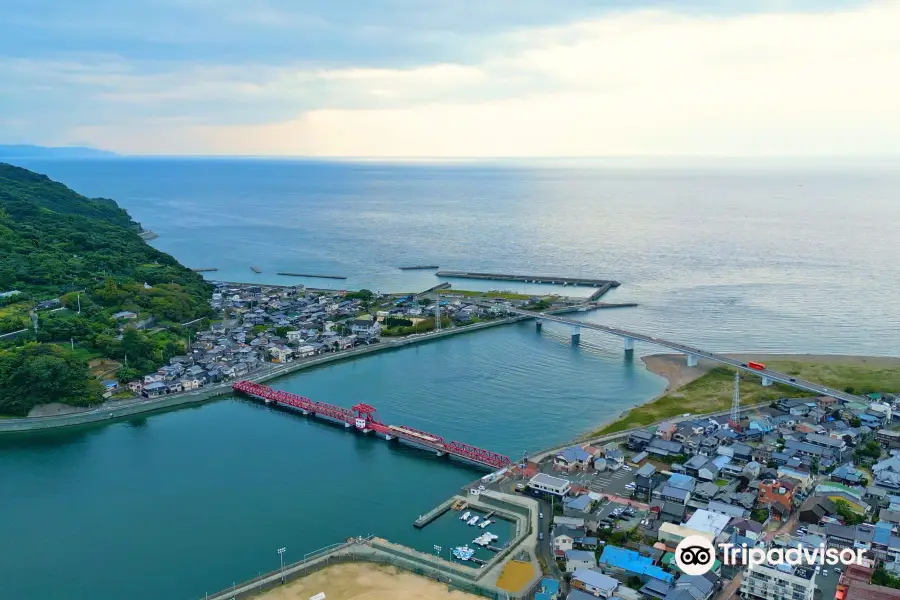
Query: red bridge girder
[
  {"x": 367, "y": 411},
  {"x": 478, "y": 454}
]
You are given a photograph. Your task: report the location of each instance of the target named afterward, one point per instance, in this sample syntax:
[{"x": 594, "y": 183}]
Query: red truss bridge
[{"x": 363, "y": 418}]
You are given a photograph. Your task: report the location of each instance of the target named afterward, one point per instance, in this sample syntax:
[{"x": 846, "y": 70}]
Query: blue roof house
[{"x": 632, "y": 563}]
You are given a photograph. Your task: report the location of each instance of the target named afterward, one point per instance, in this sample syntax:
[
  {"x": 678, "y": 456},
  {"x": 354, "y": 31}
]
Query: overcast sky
[{"x": 438, "y": 78}]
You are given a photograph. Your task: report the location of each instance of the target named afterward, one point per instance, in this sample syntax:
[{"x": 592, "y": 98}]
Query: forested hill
[{"x": 56, "y": 244}]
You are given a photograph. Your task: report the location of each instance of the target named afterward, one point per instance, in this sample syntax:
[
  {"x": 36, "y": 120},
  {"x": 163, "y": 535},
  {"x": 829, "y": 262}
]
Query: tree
[
  {"x": 846, "y": 513},
  {"x": 870, "y": 450},
  {"x": 855, "y": 422},
  {"x": 40, "y": 373},
  {"x": 282, "y": 331}
]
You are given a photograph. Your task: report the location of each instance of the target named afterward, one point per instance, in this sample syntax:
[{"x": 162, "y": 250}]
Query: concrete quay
[{"x": 532, "y": 279}]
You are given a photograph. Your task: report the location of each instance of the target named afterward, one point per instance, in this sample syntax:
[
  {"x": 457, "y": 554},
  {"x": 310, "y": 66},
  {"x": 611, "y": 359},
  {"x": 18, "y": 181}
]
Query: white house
[
  {"x": 281, "y": 354},
  {"x": 579, "y": 559},
  {"x": 364, "y": 327},
  {"x": 304, "y": 351},
  {"x": 294, "y": 337}
]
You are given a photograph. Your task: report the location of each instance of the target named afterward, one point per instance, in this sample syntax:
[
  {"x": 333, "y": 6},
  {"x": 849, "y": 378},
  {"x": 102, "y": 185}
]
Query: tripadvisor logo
[{"x": 695, "y": 555}]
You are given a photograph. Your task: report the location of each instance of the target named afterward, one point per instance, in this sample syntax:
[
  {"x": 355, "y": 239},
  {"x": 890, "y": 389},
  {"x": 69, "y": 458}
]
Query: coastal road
[{"x": 770, "y": 374}]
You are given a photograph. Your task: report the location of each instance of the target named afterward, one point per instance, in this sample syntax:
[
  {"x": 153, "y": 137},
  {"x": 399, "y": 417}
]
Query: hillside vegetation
[{"x": 57, "y": 244}]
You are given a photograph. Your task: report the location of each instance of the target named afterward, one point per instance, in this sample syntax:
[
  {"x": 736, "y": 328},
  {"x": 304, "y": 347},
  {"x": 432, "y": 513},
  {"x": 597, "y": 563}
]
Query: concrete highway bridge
[{"x": 692, "y": 354}]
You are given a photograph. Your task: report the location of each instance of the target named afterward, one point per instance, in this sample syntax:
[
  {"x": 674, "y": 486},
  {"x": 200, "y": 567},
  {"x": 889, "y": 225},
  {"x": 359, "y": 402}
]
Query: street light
[{"x": 281, "y": 556}]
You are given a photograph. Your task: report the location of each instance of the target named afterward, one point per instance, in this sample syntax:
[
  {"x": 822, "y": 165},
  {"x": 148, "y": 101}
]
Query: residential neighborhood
[
  {"x": 801, "y": 472},
  {"x": 266, "y": 326}
]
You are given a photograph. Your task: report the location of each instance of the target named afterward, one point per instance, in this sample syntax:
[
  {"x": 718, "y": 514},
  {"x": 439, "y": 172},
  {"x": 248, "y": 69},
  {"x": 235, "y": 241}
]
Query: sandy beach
[{"x": 365, "y": 580}]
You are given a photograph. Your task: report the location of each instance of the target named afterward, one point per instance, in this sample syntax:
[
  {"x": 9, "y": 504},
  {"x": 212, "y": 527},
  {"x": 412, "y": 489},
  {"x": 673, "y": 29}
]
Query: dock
[
  {"x": 205, "y": 270},
  {"x": 433, "y": 514},
  {"x": 414, "y": 267},
  {"x": 599, "y": 283},
  {"x": 312, "y": 276},
  {"x": 256, "y": 269},
  {"x": 599, "y": 292}
]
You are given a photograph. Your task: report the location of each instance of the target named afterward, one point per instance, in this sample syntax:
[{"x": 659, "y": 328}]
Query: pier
[
  {"x": 600, "y": 291},
  {"x": 205, "y": 270},
  {"x": 433, "y": 514},
  {"x": 363, "y": 419},
  {"x": 414, "y": 267},
  {"x": 600, "y": 283}
]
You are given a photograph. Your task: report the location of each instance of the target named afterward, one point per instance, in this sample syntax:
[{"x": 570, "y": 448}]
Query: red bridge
[{"x": 362, "y": 417}]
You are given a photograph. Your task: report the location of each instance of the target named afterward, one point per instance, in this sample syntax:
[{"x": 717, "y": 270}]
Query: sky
[{"x": 454, "y": 78}]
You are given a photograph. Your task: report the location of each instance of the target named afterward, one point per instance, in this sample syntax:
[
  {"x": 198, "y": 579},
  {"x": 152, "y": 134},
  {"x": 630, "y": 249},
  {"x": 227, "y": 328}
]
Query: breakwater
[
  {"x": 415, "y": 267},
  {"x": 312, "y": 276},
  {"x": 531, "y": 278}
]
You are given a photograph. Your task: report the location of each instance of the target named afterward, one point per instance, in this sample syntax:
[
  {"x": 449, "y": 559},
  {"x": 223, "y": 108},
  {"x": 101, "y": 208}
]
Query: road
[{"x": 771, "y": 374}]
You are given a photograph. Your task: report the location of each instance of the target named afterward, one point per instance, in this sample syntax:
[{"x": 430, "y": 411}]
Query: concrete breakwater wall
[{"x": 169, "y": 402}]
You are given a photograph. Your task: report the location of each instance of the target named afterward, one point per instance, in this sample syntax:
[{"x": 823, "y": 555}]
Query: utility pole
[
  {"x": 281, "y": 556},
  {"x": 79, "y": 304}
]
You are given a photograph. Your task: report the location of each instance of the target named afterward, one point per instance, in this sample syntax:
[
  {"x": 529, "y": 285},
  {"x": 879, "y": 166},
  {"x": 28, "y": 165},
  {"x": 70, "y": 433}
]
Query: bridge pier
[
  {"x": 538, "y": 325},
  {"x": 766, "y": 382},
  {"x": 576, "y": 334},
  {"x": 440, "y": 453},
  {"x": 629, "y": 345},
  {"x": 691, "y": 360}
]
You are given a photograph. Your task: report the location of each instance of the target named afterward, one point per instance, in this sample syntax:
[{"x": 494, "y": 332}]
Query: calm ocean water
[{"x": 794, "y": 260}]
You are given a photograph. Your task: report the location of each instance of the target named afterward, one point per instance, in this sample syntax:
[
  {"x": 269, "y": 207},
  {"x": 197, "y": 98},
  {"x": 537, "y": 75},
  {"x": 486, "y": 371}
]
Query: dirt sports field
[{"x": 365, "y": 581}]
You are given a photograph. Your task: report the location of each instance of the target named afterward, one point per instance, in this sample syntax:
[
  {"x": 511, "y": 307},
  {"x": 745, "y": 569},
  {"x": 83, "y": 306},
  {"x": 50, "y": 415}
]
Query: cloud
[{"x": 632, "y": 82}]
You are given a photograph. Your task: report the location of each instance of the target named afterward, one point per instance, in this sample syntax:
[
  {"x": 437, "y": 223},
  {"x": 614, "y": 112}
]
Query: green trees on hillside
[
  {"x": 55, "y": 243},
  {"x": 38, "y": 373}
]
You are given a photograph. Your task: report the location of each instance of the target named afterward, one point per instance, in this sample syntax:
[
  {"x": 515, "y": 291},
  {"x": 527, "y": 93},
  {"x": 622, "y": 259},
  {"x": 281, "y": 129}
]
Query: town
[
  {"x": 264, "y": 328},
  {"x": 801, "y": 472}
]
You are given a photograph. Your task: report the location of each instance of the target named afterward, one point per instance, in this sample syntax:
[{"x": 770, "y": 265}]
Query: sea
[{"x": 778, "y": 257}]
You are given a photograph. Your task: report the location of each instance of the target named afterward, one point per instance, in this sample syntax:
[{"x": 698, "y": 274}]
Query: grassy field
[{"x": 712, "y": 392}]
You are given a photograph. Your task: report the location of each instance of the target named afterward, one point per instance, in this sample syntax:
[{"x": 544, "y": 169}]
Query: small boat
[
  {"x": 473, "y": 520},
  {"x": 485, "y": 523},
  {"x": 481, "y": 540},
  {"x": 465, "y": 516},
  {"x": 463, "y": 552}
]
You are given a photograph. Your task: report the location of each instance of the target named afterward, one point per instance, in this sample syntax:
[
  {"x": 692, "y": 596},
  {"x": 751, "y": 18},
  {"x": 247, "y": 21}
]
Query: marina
[{"x": 606, "y": 284}]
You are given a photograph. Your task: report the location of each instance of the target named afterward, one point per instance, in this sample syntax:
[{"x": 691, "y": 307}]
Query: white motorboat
[
  {"x": 485, "y": 523},
  {"x": 473, "y": 520},
  {"x": 465, "y": 516}
]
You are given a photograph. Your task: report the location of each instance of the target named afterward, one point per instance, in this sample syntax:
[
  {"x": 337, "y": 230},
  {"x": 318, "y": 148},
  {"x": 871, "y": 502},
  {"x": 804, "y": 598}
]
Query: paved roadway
[{"x": 721, "y": 358}]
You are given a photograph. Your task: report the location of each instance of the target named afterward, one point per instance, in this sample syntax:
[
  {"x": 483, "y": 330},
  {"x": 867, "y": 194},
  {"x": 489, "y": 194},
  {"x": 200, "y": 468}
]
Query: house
[
  {"x": 887, "y": 473},
  {"x": 814, "y": 508},
  {"x": 579, "y": 504},
  {"x": 702, "y": 467},
  {"x": 294, "y": 337},
  {"x": 631, "y": 563},
  {"x": 548, "y": 484},
  {"x": 638, "y": 440},
  {"x": 777, "y": 494},
  {"x": 281, "y": 354},
  {"x": 110, "y": 385},
  {"x": 708, "y": 522},
  {"x": 615, "y": 459},
  {"x": 572, "y": 459},
  {"x": 191, "y": 383},
  {"x": 579, "y": 559},
  {"x": 136, "y": 386},
  {"x": 646, "y": 480},
  {"x": 563, "y": 538},
  {"x": 666, "y": 430},
  {"x": 365, "y": 327},
  {"x": 594, "y": 583},
  {"x": 125, "y": 314},
  {"x": 888, "y": 438},
  {"x": 664, "y": 448},
  {"x": 847, "y": 475},
  {"x": 692, "y": 587},
  {"x": 154, "y": 389},
  {"x": 673, "y": 494}
]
